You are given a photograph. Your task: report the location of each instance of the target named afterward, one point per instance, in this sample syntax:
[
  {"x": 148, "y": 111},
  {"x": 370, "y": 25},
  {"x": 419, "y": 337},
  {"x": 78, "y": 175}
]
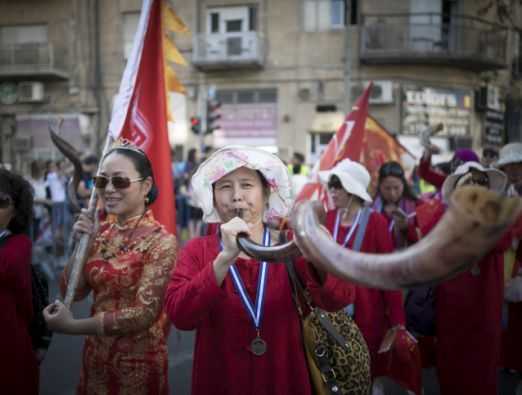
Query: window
[
  {"x": 130, "y": 25},
  {"x": 244, "y": 96},
  {"x": 214, "y": 22},
  {"x": 323, "y": 15},
  {"x": 27, "y": 34}
]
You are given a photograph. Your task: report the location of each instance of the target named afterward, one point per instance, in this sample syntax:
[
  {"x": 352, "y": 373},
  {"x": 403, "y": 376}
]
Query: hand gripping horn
[{"x": 469, "y": 229}]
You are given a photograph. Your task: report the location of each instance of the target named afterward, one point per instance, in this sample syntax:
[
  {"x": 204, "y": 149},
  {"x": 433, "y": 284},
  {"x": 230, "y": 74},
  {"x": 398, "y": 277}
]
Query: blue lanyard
[
  {"x": 255, "y": 311},
  {"x": 350, "y": 232}
]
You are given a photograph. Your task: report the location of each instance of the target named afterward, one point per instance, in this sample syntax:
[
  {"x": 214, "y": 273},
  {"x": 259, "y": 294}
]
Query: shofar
[{"x": 469, "y": 229}]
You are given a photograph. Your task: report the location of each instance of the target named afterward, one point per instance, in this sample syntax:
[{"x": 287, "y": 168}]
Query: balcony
[
  {"x": 228, "y": 51},
  {"x": 32, "y": 61},
  {"x": 465, "y": 42}
]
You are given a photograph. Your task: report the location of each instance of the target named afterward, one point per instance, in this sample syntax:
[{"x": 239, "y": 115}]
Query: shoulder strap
[{"x": 359, "y": 236}]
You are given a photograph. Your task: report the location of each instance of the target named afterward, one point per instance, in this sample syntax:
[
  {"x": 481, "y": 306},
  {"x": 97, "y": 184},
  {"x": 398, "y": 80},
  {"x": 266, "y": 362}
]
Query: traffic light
[
  {"x": 212, "y": 116},
  {"x": 195, "y": 125}
]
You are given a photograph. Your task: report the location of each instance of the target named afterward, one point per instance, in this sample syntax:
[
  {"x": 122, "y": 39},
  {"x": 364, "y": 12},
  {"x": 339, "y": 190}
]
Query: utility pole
[{"x": 348, "y": 53}]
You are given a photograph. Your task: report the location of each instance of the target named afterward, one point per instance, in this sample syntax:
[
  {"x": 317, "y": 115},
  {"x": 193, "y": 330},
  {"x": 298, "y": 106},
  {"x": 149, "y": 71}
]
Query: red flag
[
  {"x": 346, "y": 143},
  {"x": 379, "y": 146},
  {"x": 140, "y": 112}
]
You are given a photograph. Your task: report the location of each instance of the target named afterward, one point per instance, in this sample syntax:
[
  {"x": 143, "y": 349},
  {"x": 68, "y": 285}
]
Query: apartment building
[{"x": 284, "y": 71}]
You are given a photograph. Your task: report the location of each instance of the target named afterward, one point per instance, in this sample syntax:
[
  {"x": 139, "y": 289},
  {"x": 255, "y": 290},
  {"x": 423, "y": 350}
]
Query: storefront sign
[
  {"x": 422, "y": 107},
  {"x": 493, "y": 128}
]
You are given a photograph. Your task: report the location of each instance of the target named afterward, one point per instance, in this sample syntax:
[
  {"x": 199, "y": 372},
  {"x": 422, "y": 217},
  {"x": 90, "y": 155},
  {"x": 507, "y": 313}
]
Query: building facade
[{"x": 285, "y": 72}]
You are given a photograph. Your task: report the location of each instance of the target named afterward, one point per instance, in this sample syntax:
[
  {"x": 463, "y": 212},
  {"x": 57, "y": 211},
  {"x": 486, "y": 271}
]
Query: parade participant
[
  {"x": 435, "y": 178},
  {"x": 248, "y": 331},
  {"x": 18, "y": 363},
  {"x": 468, "y": 306},
  {"x": 397, "y": 202},
  {"x": 510, "y": 162},
  {"x": 127, "y": 270},
  {"x": 376, "y": 312}
]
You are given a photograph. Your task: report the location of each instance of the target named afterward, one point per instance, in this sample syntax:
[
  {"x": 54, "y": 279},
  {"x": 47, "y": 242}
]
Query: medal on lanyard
[
  {"x": 350, "y": 232},
  {"x": 258, "y": 345}
]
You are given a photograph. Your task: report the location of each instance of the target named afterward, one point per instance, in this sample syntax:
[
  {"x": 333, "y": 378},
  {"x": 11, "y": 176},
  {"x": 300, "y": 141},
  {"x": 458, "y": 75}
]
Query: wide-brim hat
[
  {"x": 232, "y": 157},
  {"x": 497, "y": 179},
  {"x": 354, "y": 178},
  {"x": 510, "y": 153}
]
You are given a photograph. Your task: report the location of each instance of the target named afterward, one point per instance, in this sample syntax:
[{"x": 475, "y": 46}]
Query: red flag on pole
[
  {"x": 140, "y": 112},
  {"x": 346, "y": 143}
]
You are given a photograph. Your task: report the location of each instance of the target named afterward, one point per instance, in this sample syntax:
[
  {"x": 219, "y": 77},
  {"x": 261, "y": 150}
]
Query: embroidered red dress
[
  {"x": 223, "y": 363},
  {"x": 18, "y": 366},
  {"x": 127, "y": 271},
  {"x": 376, "y": 311}
]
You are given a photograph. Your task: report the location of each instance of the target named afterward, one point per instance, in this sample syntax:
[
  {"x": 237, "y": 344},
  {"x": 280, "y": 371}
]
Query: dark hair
[
  {"x": 21, "y": 192},
  {"x": 90, "y": 160},
  {"x": 191, "y": 156},
  {"x": 299, "y": 156},
  {"x": 394, "y": 169},
  {"x": 142, "y": 165}
]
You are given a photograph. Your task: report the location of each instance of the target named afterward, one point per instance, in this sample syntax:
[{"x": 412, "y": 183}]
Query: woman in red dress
[
  {"x": 248, "y": 331},
  {"x": 127, "y": 270},
  {"x": 375, "y": 311},
  {"x": 18, "y": 362},
  {"x": 468, "y": 306}
]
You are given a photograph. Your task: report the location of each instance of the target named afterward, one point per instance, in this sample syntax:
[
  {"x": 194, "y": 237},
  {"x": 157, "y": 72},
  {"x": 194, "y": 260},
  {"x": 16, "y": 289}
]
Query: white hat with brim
[
  {"x": 510, "y": 153},
  {"x": 497, "y": 179},
  {"x": 232, "y": 157},
  {"x": 354, "y": 178}
]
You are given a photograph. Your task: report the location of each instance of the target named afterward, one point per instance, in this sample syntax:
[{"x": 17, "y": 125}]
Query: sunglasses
[
  {"x": 335, "y": 184},
  {"x": 118, "y": 182},
  {"x": 5, "y": 200}
]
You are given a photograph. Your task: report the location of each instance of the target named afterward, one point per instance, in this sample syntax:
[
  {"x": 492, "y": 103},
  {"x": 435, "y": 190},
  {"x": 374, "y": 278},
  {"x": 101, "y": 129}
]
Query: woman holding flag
[
  {"x": 127, "y": 270},
  {"x": 249, "y": 338}
]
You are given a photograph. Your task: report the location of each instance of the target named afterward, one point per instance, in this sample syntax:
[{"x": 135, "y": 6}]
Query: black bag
[
  {"x": 420, "y": 311},
  {"x": 38, "y": 330}
]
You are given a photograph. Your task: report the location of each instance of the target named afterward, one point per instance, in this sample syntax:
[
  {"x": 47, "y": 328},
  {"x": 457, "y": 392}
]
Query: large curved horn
[
  {"x": 275, "y": 253},
  {"x": 74, "y": 156},
  {"x": 473, "y": 224}
]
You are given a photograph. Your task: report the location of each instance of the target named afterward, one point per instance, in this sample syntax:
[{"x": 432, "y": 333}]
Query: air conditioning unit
[
  {"x": 381, "y": 93},
  {"x": 31, "y": 92}
]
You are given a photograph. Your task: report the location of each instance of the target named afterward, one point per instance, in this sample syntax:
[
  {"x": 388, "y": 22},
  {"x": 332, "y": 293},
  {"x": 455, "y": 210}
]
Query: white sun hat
[
  {"x": 510, "y": 153},
  {"x": 354, "y": 178},
  {"x": 232, "y": 157},
  {"x": 497, "y": 179}
]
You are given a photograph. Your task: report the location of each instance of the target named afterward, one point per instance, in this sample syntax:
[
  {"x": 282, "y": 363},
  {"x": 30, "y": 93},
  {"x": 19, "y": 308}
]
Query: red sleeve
[
  {"x": 193, "y": 289},
  {"x": 393, "y": 302},
  {"x": 15, "y": 266},
  {"x": 427, "y": 173},
  {"x": 332, "y": 294}
]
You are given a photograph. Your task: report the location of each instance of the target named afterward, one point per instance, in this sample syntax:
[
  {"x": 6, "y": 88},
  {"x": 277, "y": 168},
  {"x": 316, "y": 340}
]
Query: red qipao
[
  {"x": 18, "y": 366},
  {"x": 223, "y": 363},
  {"x": 376, "y": 311},
  {"x": 468, "y": 326}
]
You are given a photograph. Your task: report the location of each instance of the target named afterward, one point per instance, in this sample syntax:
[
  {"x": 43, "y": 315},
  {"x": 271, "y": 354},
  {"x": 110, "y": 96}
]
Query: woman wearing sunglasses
[
  {"x": 376, "y": 312},
  {"x": 468, "y": 307},
  {"x": 127, "y": 270},
  {"x": 248, "y": 331},
  {"x": 18, "y": 363}
]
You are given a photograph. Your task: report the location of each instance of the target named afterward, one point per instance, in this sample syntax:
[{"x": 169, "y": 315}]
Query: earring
[{"x": 147, "y": 200}]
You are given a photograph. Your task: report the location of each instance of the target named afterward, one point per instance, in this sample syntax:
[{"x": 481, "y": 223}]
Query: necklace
[{"x": 107, "y": 252}]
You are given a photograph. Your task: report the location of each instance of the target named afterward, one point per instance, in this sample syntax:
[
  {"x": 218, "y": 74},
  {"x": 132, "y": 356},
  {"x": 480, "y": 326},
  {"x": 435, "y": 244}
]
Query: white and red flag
[
  {"x": 346, "y": 143},
  {"x": 140, "y": 112}
]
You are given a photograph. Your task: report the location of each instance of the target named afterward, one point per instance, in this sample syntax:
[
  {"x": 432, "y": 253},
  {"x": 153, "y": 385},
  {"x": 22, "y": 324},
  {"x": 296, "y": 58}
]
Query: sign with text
[
  {"x": 423, "y": 106},
  {"x": 249, "y": 120}
]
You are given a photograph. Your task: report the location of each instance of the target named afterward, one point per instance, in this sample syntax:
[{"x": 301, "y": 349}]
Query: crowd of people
[{"x": 248, "y": 326}]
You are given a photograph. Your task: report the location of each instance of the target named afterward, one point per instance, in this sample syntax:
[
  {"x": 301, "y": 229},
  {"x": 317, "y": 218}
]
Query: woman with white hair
[
  {"x": 248, "y": 331},
  {"x": 375, "y": 311},
  {"x": 468, "y": 307}
]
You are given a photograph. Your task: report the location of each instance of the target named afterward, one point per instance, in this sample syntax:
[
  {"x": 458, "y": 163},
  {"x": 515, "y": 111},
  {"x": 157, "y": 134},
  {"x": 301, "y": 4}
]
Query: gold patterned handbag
[{"x": 337, "y": 355}]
